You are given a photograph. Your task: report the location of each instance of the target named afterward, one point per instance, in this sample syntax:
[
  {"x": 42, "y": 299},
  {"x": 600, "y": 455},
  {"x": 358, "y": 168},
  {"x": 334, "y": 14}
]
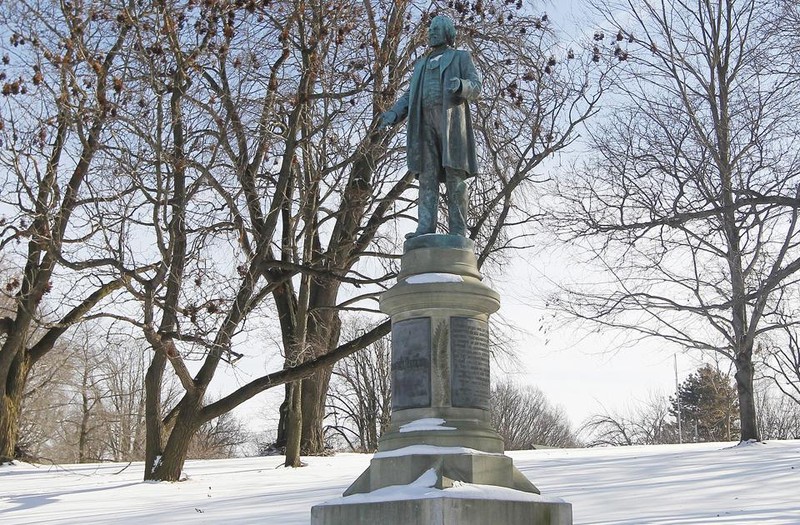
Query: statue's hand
[
  {"x": 387, "y": 119},
  {"x": 454, "y": 85}
]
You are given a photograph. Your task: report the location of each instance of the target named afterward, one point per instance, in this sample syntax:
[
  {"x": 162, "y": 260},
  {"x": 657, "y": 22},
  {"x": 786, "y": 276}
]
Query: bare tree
[
  {"x": 65, "y": 417},
  {"x": 780, "y": 355},
  {"x": 237, "y": 220},
  {"x": 122, "y": 371},
  {"x": 45, "y": 407},
  {"x": 690, "y": 201},
  {"x": 778, "y": 414},
  {"x": 267, "y": 188},
  {"x": 648, "y": 423},
  {"x": 218, "y": 439},
  {"x": 61, "y": 72},
  {"x": 525, "y": 419},
  {"x": 247, "y": 179},
  {"x": 85, "y": 402},
  {"x": 360, "y": 397},
  {"x": 531, "y": 111}
]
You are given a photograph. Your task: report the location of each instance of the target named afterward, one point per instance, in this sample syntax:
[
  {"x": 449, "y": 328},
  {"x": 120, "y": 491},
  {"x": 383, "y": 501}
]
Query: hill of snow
[{"x": 672, "y": 484}]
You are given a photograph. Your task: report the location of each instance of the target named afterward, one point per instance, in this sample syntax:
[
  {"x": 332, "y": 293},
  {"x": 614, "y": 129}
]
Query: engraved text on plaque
[
  {"x": 411, "y": 363},
  {"x": 469, "y": 362}
]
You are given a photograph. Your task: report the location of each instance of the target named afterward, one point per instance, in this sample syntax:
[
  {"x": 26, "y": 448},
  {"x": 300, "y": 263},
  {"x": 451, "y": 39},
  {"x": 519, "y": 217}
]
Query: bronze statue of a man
[{"x": 440, "y": 139}]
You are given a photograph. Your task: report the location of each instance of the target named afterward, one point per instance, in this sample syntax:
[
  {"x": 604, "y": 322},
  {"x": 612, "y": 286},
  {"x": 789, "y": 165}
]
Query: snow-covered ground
[{"x": 704, "y": 483}]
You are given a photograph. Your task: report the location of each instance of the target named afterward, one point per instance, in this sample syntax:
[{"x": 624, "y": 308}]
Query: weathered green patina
[{"x": 440, "y": 136}]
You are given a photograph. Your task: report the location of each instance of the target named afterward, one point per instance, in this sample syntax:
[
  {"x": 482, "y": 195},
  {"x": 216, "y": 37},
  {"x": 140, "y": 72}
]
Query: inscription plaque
[
  {"x": 469, "y": 363},
  {"x": 411, "y": 363}
]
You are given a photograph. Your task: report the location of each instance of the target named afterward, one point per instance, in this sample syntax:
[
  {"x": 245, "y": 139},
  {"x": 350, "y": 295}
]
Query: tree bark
[
  {"x": 745, "y": 371},
  {"x": 83, "y": 435},
  {"x": 9, "y": 427},
  {"x": 154, "y": 427},
  {"x": 10, "y": 404},
  {"x": 315, "y": 390},
  {"x": 169, "y": 465},
  {"x": 324, "y": 329},
  {"x": 294, "y": 425},
  {"x": 283, "y": 418}
]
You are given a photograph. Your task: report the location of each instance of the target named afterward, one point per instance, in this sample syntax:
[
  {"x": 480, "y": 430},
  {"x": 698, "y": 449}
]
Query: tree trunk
[
  {"x": 134, "y": 445},
  {"x": 315, "y": 391},
  {"x": 747, "y": 403},
  {"x": 83, "y": 436},
  {"x": 323, "y": 332},
  {"x": 164, "y": 462},
  {"x": 86, "y": 408},
  {"x": 9, "y": 427},
  {"x": 294, "y": 425},
  {"x": 169, "y": 465},
  {"x": 154, "y": 426},
  {"x": 283, "y": 418},
  {"x": 10, "y": 404}
]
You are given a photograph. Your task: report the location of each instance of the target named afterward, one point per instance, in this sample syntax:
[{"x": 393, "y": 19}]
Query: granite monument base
[
  {"x": 441, "y": 462},
  {"x": 445, "y": 510},
  {"x": 448, "y": 467}
]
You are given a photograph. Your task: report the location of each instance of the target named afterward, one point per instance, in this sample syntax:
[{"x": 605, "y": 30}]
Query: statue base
[
  {"x": 441, "y": 461},
  {"x": 456, "y": 509}
]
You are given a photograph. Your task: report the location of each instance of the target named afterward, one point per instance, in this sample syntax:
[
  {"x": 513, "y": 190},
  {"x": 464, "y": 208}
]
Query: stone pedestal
[
  {"x": 440, "y": 439},
  {"x": 444, "y": 510}
]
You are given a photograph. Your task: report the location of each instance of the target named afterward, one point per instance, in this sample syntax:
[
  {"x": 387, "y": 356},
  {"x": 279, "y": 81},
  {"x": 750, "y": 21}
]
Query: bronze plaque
[
  {"x": 411, "y": 363},
  {"x": 469, "y": 363}
]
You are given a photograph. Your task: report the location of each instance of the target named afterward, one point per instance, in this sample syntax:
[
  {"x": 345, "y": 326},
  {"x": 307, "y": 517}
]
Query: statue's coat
[{"x": 458, "y": 137}]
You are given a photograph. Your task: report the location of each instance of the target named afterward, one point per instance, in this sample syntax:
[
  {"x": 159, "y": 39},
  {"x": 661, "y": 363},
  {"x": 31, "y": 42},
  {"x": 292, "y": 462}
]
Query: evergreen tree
[{"x": 708, "y": 406}]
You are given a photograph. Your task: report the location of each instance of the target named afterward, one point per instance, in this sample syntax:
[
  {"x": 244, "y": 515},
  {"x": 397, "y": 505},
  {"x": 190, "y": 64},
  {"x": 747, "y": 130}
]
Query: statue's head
[{"x": 441, "y": 31}]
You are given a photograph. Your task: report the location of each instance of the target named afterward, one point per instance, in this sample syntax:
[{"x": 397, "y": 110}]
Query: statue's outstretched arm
[{"x": 397, "y": 113}]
